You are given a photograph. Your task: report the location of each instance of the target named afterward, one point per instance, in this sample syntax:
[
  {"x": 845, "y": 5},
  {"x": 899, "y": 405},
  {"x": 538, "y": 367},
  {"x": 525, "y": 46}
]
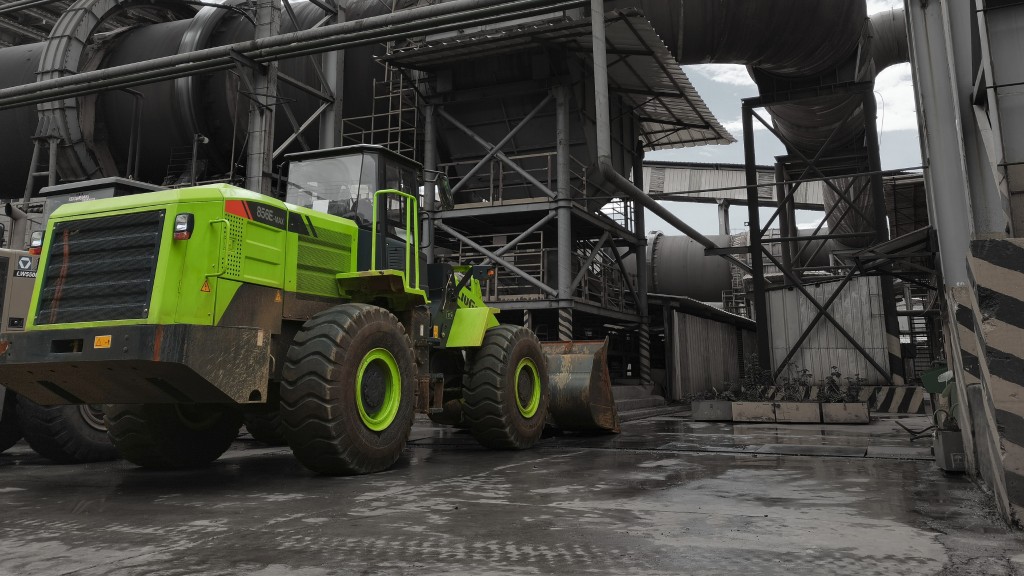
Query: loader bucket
[{"x": 580, "y": 386}]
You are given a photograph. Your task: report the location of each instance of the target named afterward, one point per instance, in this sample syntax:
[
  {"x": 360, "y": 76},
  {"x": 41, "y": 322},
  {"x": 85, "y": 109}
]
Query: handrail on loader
[{"x": 412, "y": 223}]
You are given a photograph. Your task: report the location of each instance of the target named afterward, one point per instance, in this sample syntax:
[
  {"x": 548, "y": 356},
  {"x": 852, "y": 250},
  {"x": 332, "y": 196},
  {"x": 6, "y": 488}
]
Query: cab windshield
[{"x": 341, "y": 186}]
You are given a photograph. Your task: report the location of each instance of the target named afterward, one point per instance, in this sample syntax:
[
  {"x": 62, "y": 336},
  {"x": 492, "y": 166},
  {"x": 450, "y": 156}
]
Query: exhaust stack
[{"x": 19, "y": 223}]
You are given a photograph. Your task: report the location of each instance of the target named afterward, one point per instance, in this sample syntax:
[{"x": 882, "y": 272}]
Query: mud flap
[{"x": 580, "y": 386}]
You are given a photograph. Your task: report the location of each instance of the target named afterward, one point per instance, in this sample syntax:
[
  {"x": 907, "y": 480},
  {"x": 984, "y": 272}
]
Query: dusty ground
[{"x": 667, "y": 496}]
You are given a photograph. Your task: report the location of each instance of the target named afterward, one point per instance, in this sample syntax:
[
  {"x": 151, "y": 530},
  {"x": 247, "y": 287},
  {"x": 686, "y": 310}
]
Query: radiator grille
[{"x": 100, "y": 269}]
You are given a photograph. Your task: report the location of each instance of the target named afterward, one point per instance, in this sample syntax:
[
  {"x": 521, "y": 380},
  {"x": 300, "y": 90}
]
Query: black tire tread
[
  {"x": 152, "y": 436},
  {"x": 313, "y": 410},
  {"x": 265, "y": 427},
  {"x": 61, "y": 434},
  {"x": 489, "y": 407},
  {"x": 10, "y": 427}
]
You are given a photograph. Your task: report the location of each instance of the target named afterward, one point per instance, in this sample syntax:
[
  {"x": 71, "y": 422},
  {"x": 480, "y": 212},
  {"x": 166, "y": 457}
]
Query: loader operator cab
[
  {"x": 346, "y": 182},
  {"x": 342, "y": 182}
]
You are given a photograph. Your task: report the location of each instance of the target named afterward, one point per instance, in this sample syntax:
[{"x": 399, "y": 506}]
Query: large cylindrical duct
[
  {"x": 784, "y": 37},
  {"x": 214, "y": 105},
  {"x": 17, "y": 66},
  {"x": 678, "y": 266}
]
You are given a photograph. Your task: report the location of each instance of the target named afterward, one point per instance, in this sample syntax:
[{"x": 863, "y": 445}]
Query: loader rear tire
[
  {"x": 265, "y": 427},
  {"x": 10, "y": 428},
  {"x": 348, "y": 391},
  {"x": 66, "y": 434},
  {"x": 506, "y": 394},
  {"x": 172, "y": 436}
]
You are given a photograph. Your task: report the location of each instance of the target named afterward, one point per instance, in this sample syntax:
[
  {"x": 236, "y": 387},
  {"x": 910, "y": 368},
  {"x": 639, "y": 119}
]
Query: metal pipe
[
  {"x": 416, "y": 21},
  {"x": 563, "y": 171},
  {"x": 23, "y": 4},
  {"x": 602, "y": 111},
  {"x": 430, "y": 183},
  {"x": 19, "y": 222}
]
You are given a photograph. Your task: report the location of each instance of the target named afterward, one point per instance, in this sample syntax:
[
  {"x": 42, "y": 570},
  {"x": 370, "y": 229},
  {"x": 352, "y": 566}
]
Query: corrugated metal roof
[
  {"x": 640, "y": 69},
  {"x": 712, "y": 182}
]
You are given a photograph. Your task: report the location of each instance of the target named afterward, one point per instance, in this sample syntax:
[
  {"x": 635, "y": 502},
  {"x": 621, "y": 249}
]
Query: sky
[{"x": 724, "y": 86}]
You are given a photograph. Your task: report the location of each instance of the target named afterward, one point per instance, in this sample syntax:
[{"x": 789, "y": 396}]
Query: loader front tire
[
  {"x": 348, "y": 391},
  {"x": 172, "y": 436},
  {"x": 10, "y": 428},
  {"x": 66, "y": 434},
  {"x": 506, "y": 393}
]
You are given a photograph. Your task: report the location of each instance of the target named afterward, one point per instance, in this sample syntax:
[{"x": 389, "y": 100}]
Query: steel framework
[{"x": 849, "y": 175}]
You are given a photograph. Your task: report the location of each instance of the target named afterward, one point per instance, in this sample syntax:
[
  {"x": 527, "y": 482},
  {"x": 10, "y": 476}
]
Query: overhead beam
[{"x": 431, "y": 19}]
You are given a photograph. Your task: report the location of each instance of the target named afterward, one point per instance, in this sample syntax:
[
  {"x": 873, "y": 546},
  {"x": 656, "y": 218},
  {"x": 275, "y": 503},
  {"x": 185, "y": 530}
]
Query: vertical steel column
[
  {"x": 429, "y": 179},
  {"x": 764, "y": 349},
  {"x": 564, "y": 177},
  {"x": 602, "y": 115},
  {"x": 259, "y": 163},
  {"x": 334, "y": 72},
  {"x": 942, "y": 152},
  {"x": 51, "y": 168},
  {"x": 888, "y": 292},
  {"x": 30, "y": 184},
  {"x": 642, "y": 273},
  {"x": 723, "y": 217},
  {"x": 787, "y": 225}
]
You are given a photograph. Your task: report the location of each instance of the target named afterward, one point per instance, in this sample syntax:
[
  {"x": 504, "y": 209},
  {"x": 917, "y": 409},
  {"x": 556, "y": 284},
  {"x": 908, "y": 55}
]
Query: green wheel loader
[{"x": 184, "y": 311}]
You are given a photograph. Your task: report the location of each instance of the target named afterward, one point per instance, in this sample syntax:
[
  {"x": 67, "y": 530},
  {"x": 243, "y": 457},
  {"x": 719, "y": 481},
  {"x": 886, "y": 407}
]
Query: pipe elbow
[{"x": 14, "y": 213}]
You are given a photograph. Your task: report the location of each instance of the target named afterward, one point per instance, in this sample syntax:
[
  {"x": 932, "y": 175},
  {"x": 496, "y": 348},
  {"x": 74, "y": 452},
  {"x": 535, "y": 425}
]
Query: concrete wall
[{"x": 989, "y": 341}]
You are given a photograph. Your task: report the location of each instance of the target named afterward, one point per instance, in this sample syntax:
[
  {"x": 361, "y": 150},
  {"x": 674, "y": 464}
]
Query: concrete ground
[{"x": 667, "y": 496}]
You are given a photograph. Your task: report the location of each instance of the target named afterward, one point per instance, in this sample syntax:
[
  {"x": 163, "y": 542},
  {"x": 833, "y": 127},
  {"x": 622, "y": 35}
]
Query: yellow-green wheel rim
[
  {"x": 378, "y": 389},
  {"x": 527, "y": 381}
]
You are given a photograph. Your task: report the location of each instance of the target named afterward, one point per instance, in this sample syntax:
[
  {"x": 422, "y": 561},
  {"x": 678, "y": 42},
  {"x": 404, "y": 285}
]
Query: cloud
[
  {"x": 733, "y": 74},
  {"x": 894, "y": 91},
  {"x": 736, "y": 126},
  {"x": 882, "y": 5}
]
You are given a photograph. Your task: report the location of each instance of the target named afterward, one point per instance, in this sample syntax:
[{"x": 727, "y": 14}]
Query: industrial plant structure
[{"x": 531, "y": 119}]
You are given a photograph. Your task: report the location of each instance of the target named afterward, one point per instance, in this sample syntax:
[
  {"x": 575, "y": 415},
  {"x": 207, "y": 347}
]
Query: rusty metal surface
[{"x": 580, "y": 386}]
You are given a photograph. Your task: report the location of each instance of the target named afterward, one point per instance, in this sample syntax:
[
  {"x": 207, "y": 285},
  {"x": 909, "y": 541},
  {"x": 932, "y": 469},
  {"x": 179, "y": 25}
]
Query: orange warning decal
[
  {"x": 100, "y": 342},
  {"x": 206, "y": 286},
  {"x": 277, "y": 297}
]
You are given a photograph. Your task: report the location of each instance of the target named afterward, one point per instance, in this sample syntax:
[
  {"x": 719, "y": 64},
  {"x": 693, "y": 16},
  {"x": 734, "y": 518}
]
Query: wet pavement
[{"x": 667, "y": 496}]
